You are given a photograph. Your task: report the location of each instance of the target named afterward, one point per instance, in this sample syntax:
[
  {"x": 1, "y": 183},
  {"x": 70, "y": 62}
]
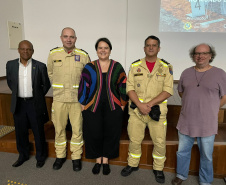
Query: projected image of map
[{"x": 193, "y": 16}]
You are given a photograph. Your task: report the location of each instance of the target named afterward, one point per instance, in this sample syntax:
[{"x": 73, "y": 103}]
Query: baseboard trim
[{"x": 2, "y": 77}]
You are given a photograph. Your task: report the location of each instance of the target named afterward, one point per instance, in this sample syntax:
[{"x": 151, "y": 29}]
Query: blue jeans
[{"x": 205, "y": 145}]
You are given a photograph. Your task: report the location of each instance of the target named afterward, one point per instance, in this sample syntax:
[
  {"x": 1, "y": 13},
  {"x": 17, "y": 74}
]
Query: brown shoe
[{"x": 177, "y": 181}]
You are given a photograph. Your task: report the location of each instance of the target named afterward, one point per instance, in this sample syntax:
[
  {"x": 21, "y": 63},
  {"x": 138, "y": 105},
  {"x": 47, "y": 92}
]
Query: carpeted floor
[
  {"x": 5, "y": 130},
  {"x": 28, "y": 174}
]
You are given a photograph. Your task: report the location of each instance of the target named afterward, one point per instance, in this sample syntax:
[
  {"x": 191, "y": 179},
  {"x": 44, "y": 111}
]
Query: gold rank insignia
[{"x": 160, "y": 74}]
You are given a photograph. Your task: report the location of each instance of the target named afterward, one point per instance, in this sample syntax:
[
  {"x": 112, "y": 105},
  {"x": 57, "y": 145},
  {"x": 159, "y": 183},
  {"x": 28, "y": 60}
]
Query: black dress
[{"x": 102, "y": 129}]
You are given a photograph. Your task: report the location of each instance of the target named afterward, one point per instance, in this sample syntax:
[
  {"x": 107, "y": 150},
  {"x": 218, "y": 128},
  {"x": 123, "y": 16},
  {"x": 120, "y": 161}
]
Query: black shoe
[
  {"x": 128, "y": 170},
  {"x": 159, "y": 176},
  {"x": 106, "y": 169},
  {"x": 40, "y": 164},
  {"x": 77, "y": 166},
  {"x": 19, "y": 162},
  {"x": 58, "y": 163},
  {"x": 96, "y": 169}
]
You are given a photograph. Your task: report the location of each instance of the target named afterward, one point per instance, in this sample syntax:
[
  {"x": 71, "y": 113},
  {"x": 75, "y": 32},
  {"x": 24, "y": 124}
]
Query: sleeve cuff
[
  {"x": 130, "y": 88},
  {"x": 168, "y": 89}
]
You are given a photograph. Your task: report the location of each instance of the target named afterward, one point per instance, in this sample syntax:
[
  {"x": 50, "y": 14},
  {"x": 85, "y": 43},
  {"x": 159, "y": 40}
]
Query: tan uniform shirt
[
  {"x": 149, "y": 85},
  {"x": 64, "y": 72}
]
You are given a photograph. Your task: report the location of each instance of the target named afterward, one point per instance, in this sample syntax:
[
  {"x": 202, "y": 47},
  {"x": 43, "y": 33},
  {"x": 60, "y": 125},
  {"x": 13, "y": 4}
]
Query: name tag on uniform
[
  {"x": 57, "y": 61},
  {"x": 160, "y": 74},
  {"x": 138, "y": 74},
  {"x": 77, "y": 58}
]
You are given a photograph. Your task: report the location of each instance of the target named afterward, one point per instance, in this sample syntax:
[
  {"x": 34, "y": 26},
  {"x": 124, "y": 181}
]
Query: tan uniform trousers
[
  {"x": 136, "y": 130},
  {"x": 60, "y": 113}
]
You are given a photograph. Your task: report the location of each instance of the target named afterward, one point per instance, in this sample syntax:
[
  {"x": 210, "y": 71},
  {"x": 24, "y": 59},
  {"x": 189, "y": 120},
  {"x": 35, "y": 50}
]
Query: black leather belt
[{"x": 26, "y": 99}]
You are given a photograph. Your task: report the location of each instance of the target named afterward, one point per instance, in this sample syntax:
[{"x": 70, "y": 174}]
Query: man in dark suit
[{"x": 28, "y": 80}]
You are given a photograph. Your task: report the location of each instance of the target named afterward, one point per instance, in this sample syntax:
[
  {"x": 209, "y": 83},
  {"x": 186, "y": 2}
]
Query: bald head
[
  {"x": 26, "y": 42},
  {"x": 68, "y": 39},
  {"x": 25, "y": 49},
  {"x": 68, "y": 28}
]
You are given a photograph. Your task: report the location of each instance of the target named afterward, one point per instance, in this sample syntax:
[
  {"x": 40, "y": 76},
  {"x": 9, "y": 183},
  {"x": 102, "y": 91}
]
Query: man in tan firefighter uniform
[
  {"x": 149, "y": 83},
  {"x": 64, "y": 69}
]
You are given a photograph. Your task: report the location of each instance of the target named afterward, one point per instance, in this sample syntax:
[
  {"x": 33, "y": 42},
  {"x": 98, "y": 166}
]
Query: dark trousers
[
  {"x": 101, "y": 132},
  {"x": 25, "y": 118}
]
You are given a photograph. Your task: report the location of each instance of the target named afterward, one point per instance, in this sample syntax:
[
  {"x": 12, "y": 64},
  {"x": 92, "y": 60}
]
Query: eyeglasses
[{"x": 203, "y": 54}]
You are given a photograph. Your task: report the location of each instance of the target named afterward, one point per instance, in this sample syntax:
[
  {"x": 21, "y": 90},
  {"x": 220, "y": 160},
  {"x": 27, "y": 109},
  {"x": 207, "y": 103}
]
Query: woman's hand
[{"x": 82, "y": 107}]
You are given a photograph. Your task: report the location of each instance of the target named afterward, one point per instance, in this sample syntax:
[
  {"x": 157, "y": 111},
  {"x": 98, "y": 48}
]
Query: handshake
[{"x": 154, "y": 113}]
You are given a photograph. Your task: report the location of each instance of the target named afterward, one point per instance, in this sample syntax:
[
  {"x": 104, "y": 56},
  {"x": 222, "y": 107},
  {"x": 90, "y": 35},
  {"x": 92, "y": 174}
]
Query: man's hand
[
  {"x": 150, "y": 104},
  {"x": 144, "y": 108}
]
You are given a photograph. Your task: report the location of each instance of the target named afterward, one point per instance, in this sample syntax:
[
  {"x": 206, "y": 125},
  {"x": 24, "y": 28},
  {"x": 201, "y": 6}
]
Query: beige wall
[
  {"x": 125, "y": 22},
  {"x": 90, "y": 19},
  {"x": 10, "y": 10}
]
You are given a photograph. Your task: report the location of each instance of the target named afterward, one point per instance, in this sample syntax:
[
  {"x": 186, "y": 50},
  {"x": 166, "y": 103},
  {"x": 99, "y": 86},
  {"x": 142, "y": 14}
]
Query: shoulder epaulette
[
  {"x": 136, "y": 63},
  {"x": 54, "y": 48},
  {"x": 57, "y": 49},
  {"x": 165, "y": 61},
  {"x": 167, "y": 64},
  {"x": 84, "y": 51},
  {"x": 81, "y": 51}
]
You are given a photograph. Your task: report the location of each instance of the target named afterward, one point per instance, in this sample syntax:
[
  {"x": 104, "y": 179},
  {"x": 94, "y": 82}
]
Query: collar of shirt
[
  {"x": 28, "y": 62},
  {"x": 71, "y": 51}
]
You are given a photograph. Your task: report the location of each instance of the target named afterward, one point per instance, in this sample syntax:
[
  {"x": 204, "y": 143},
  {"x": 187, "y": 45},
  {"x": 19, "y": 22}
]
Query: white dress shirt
[{"x": 25, "y": 80}]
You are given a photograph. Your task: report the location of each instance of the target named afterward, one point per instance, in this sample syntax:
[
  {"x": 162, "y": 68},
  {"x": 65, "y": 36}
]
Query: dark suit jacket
[{"x": 40, "y": 85}]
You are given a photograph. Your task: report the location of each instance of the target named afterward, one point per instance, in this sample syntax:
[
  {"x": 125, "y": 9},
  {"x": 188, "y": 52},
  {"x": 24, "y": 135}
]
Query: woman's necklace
[{"x": 198, "y": 81}]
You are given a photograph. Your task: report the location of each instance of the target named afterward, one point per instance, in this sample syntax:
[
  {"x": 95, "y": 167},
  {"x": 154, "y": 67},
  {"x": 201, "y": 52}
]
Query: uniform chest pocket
[
  {"x": 160, "y": 77},
  {"x": 138, "y": 86},
  {"x": 138, "y": 83},
  {"x": 78, "y": 65},
  {"x": 57, "y": 63}
]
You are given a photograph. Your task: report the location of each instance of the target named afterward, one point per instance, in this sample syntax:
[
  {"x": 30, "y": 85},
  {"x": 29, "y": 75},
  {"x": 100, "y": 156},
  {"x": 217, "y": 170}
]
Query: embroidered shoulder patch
[
  {"x": 170, "y": 69},
  {"x": 77, "y": 58}
]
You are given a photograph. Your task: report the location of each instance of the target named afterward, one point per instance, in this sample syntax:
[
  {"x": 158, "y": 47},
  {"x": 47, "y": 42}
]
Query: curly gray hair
[{"x": 212, "y": 51}]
